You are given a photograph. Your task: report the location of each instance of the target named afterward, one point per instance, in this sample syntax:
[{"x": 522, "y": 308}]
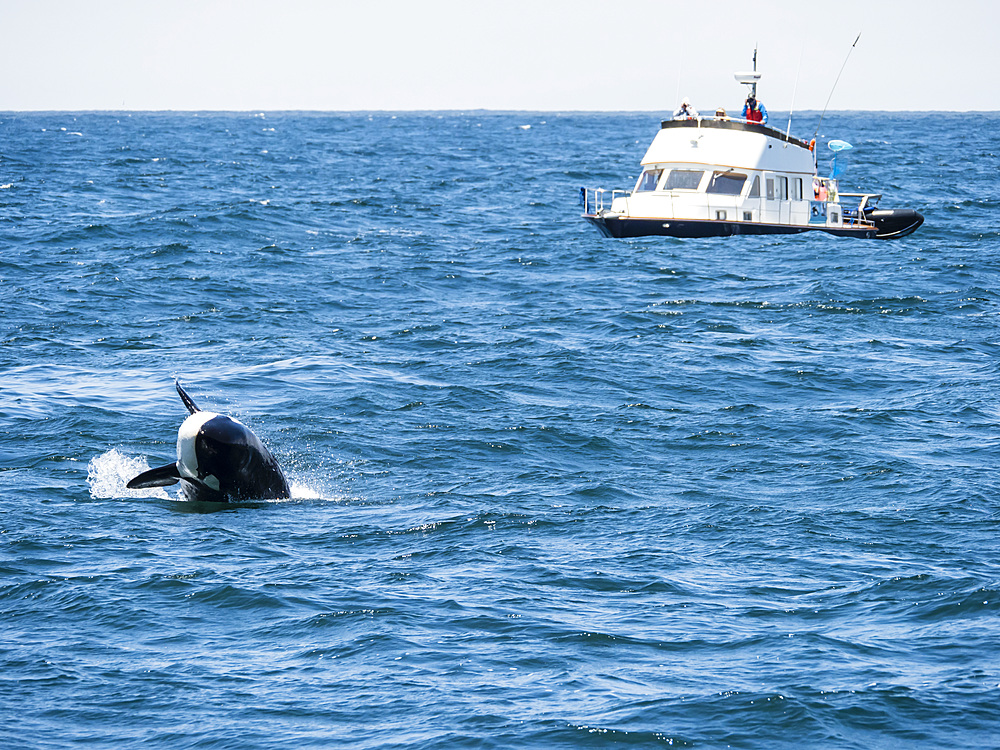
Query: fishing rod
[{"x": 835, "y": 85}]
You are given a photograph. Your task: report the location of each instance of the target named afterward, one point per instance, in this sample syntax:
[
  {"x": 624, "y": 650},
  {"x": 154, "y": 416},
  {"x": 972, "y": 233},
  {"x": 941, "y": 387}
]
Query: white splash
[
  {"x": 108, "y": 474},
  {"x": 301, "y": 491}
]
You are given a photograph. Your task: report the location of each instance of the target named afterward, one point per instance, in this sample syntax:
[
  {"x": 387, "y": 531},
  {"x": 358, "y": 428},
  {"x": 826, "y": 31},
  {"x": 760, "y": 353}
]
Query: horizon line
[{"x": 254, "y": 110}]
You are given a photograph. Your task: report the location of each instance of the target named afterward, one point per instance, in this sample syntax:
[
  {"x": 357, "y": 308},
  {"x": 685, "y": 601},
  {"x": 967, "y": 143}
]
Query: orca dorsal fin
[
  {"x": 188, "y": 401},
  {"x": 163, "y": 476}
]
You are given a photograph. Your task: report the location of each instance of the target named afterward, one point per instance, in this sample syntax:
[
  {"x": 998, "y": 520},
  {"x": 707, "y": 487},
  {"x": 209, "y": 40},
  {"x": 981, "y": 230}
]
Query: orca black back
[{"x": 219, "y": 459}]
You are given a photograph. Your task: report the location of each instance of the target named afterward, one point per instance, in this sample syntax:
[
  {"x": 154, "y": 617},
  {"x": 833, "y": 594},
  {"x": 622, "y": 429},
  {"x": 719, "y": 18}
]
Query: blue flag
[{"x": 837, "y": 146}]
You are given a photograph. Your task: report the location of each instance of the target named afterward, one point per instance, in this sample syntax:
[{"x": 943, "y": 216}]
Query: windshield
[
  {"x": 727, "y": 183},
  {"x": 648, "y": 180},
  {"x": 683, "y": 179}
]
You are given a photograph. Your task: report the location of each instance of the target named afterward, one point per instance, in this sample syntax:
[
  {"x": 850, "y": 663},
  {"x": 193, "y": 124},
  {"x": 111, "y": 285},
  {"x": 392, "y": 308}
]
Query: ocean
[{"x": 550, "y": 490}]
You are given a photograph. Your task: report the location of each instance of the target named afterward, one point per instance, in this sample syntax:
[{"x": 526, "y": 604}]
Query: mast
[{"x": 750, "y": 79}]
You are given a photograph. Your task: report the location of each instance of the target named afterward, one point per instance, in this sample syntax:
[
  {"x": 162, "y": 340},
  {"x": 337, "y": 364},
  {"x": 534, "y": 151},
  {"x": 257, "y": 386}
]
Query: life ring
[{"x": 812, "y": 144}]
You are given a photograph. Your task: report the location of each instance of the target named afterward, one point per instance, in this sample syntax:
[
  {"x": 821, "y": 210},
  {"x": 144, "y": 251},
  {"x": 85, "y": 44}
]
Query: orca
[{"x": 218, "y": 460}]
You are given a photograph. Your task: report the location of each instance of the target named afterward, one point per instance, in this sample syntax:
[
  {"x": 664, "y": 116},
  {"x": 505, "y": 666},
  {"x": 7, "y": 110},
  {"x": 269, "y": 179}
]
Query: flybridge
[{"x": 726, "y": 123}]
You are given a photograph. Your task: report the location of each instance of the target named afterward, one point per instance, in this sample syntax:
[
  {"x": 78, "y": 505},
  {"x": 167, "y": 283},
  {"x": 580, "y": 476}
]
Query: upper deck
[
  {"x": 727, "y": 123},
  {"x": 728, "y": 143}
]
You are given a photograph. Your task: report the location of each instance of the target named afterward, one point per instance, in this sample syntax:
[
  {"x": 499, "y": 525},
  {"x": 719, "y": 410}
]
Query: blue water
[{"x": 550, "y": 490}]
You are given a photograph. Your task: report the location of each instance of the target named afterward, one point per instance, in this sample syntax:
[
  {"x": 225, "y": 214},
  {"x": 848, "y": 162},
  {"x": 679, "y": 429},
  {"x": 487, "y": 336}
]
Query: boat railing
[
  {"x": 866, "y": 202},
  {"x": 595, "y": 202},
  {"x": 704, "y": 119},
  {"x": 864, "y": 199},
  {"x": 731, "y": 122}
]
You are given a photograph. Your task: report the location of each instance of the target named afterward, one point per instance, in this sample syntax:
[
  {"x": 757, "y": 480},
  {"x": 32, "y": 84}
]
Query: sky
[{"x": 535, "y": 55}]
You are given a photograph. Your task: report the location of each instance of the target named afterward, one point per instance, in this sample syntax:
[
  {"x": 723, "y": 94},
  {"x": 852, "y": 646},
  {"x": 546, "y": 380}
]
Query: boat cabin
[{"x": 718, "y": 169}]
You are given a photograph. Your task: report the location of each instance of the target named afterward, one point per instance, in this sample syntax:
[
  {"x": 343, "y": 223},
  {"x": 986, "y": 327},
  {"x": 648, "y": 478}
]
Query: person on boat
[
  {"x": 819, "y": 189},
  {"x": 720, "y": 114},
  {"x": 685, "y": 111},
  {"x": 754, "y": 111}
]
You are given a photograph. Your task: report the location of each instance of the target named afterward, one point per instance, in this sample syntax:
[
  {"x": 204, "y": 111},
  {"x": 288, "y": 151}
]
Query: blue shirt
[{"x": 760, "y": 108}]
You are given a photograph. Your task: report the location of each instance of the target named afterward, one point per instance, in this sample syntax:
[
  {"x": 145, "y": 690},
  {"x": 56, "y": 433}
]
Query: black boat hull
[
  {"x": 894, "y": 222},
  {"x": 623, "y": 227}
]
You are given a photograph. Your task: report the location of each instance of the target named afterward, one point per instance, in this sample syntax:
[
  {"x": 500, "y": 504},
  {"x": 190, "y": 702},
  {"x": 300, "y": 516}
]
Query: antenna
[
  {"x": 835, "y": 84},
  {"x": 680, "y": 67},
  {"x": 795, "y": 89},
  {"x": 750, "y": 79}
]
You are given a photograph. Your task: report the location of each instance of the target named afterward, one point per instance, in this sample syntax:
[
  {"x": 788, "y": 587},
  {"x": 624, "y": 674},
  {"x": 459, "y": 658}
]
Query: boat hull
[{"x": 625, "y": 227}]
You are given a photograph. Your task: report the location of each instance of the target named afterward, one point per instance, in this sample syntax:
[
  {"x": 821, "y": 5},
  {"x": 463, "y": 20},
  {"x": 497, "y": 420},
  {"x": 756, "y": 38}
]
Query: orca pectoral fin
[
  {"x": 164, "y": 476},
  {"x": 192, "y": 407}
]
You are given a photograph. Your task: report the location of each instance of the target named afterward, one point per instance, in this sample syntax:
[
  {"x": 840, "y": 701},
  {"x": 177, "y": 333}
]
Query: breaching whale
[{"x": 218, "y": 460}]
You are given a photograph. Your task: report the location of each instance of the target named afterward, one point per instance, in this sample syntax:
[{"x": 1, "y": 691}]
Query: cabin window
[
  {"x": 727, "y": 183},
  {"x": 770, "y": 188},
  {"x": 648, "y": 180},
  {"x": 797, "y": 189},
  {"x": 721, "y": 215},
  {"x": 755, "y": 188},
  {"x": 683, "y": 179},
  {"x": 782, "y": 188},
  {"x": 748, "y": 216}
]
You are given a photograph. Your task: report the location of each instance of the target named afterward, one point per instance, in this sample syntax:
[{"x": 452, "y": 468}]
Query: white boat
[{"x": 720, "y": 176}]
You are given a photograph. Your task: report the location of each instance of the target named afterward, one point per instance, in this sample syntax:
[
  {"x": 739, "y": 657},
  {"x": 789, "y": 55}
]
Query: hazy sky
[{"x": 513, "y": 54}]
